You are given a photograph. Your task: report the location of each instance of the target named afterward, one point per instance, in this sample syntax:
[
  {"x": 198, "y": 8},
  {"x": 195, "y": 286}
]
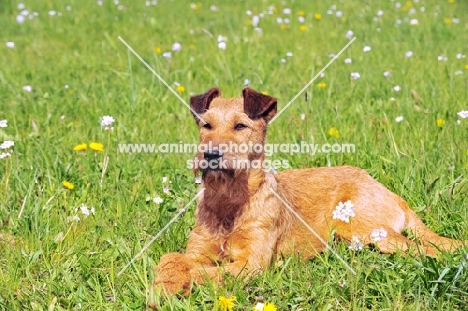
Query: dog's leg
[{"x": 398, "y": 242}]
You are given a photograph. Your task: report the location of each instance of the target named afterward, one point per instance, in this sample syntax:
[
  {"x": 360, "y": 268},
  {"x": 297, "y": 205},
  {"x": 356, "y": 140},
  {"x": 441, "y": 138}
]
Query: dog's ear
[
  {"x": 200, "y": 103},
  {"x": 257, "y": 105}
]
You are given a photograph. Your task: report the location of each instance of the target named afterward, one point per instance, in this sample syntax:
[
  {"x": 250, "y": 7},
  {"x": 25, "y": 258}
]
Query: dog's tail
[{"x": 426, "y": 236}]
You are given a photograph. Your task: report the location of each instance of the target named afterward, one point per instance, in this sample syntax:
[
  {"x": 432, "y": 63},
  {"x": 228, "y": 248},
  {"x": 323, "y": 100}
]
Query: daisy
[
  {"x": 107, "y": 122},
  {"x": 378, "y": 235},
  {"x": 344, "y": 211}
]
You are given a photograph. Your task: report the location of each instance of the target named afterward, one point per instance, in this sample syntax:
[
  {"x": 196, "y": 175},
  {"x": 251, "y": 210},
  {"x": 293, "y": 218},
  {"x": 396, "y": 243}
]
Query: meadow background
[{"x": 62, "y": 68}]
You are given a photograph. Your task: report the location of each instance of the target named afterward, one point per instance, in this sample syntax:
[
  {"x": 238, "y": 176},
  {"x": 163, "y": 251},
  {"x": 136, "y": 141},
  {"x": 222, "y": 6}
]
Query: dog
[{"x": 247, "y": 216}]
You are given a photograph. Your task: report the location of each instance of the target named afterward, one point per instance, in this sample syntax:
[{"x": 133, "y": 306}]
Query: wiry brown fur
[{"x": 241, "y": 226}]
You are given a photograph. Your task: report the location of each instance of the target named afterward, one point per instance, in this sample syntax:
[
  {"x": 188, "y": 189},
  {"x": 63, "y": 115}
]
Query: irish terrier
[{"x": 242, "y": 225}]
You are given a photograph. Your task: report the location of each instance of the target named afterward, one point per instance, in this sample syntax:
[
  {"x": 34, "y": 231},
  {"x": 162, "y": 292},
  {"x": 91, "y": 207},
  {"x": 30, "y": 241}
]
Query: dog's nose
[{"x": 213, "y": 154}]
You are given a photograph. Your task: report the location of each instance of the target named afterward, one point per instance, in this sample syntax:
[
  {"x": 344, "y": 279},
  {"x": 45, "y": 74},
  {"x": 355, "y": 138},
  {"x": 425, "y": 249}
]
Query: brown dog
[{"x": 242, "y": 225}]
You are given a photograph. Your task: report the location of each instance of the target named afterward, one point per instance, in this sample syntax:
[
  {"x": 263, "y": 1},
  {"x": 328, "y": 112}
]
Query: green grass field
[{"x": 79, "y": 71}]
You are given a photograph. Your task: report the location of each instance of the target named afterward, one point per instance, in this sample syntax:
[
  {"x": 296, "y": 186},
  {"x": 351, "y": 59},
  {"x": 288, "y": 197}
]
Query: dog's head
[{"x": 232, "y": 130}]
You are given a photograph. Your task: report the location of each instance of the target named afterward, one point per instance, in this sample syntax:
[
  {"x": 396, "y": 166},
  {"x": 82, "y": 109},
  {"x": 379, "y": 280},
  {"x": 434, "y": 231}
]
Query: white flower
[
  {"x": 355, "y": 75},
  {"x": 301, "y": 19},
  {"x": 52, "y": 13},
  {"x": 392, "y": 99},
  {"x": 7, "y": 144},
  {"x": 366, "y": 49},
  {"x": 99, "y": 3},
  {"x": 10, "y": 45},
  {"x": 164, "y": 179},
  {"x": 412, "y": 11},
  {"x": 222, "y": 45},
  {"x": 339, "y": 14},
  {"x": 380, "y": 13},
  {"x": 387, "y": 74},
  {"x": 331, "y": 55},
  {"x": 20, "y": 19},
  {"x": 286, "y": 20},
  {"x": 213, "y": 8},
  {"x": 158, "y": 200},
  {"x": 329, "y": 12},
  {"x": 349, "y": 34},
  {"x": 4, "y": 155},
  {"x": 458, "y": 122},
  {"x": 378, "y": 235},
  {"x": 398, "y": 21},
  {"x": 86, "y": 211},
  {"x": 397, "y": 88},
  {"x": 255, "y": 20},
  {"x": 176, "y": 47},
  {"x": 455, "y": 20},
  {"x": 458, "y": 72},
  {"x": 460, "y": 56},
  {"x": 3, "y": 123},
  {"x": 422, "y": 9},
  {"x": 20, "y": 6},
  {"x": 246, "y": 82},
  {"x": 303, "y": 116},
  {"x": 107, "y": 122},
  {"x": 287, "y": 11},
  {"x": 355, "y": 244},
  {"x": 463, "y": 114},
  {"x": 348, "y": 61},
  {"x": 399, "y": 119},
  {"x": 260, "y": 305},
  {"x": 414, "y": 21},
  {"x": 76, "y": 218},
  {"x": 322, "y": 75},
  {"x": 27, "y": 88},
  {"x": 68, "y": 8},
  {"x": 279, "y": 20},
  {"x": 409, "y": 54},
  {"x": 283, "y": 60},
  {"x": 289, "y": 54},
  {"x": 258, "y": 30},
  {"x": 343, "y": 211},
  {"x": 222, "y": 38},
  {"x": 167, "y": 55},
  {"x": 442, "y": 58},
  {"x": 198, "y": 180}
]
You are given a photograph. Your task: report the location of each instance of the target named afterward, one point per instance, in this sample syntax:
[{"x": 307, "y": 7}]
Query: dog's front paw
[{"x": 172, "y": 275}]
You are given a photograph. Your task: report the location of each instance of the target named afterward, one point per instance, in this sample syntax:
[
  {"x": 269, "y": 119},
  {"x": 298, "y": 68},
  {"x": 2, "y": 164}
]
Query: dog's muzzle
[{"x": 213, "y": 158}]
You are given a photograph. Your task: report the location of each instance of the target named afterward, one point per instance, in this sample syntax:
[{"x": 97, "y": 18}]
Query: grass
[{"x": 61, "y": 264}]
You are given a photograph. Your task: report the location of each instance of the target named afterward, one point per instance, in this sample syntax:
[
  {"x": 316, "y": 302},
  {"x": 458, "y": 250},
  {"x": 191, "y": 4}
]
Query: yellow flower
[
  {"x": 194, "y": 6},
  {"x": 96, "y": 146},
  {"x": 448, "y": 20},
  {"x": 180, "y": 88},
  {"x": 404, "y": 8},
  {"x": 409, "y": 4},
  {"x": 269, "y": 307},
  {"x": 301, "y": 13},
  {"x": 333, "y": 132},
  {"x": 466, "y": 66},
  {"x": 303, "y": 28},
  {"x": 265, "y": 93},
  {"x": 68, "y": 185},
  {"x": 283, "y": 26},
  {"x": 440, "y": 122},
  {"x": 318, "y": 16},
  {"x": 157, "y": 50},
  {"x": 248, "y": 23},
  {"x": 71, "y": 92},
  {"x": 226, "y": 304},
  {"x": 192, "y": 46},
  {"x": 322, "y": 85},
  {"x": 80, "y": 147},
  {"x": 451, "y": 1}
]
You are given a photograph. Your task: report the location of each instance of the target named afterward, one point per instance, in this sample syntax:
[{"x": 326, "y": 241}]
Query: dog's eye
[
  {"x": 207, "y": 126},
  {"x": 240, "y": 126}
]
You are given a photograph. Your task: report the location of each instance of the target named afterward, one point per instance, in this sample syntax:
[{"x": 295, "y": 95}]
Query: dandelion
[
  {"x": 463, "y": 114},
  {"x": 157, "y": 50},
  {"x": 387, "y": 74},
  {"x": 366, "y": 49},
  {"x": 80, "y": 147},
  {"x": 180, "y": 89},
  {"x": 318, "y": 16},
  {"x": 378, "y": 235},
  {"x": 10, "y": 45},
  {"x": 68, "y": 185},
  {"x": 176, "y": 47},
  {"x": 397, "y": 88},
  {"x": 344, "y": 211},
  {"x": 301, "y": 13},
  {"x": 440, "y": 122},
  {"x": 3, "y": 123},
  {"x": 322, "y": 85},
  {"x": 158, "y": 200},
  {"x": 27, "y": 88},
  {"x": 399, "y": 119},
  {"x": 269, "y": 306},
  {"x": 107, "y": 122},
  {"x": 355, "y": 75},
  {"x": 226, "y": 304},
  {"x": 466, "y": 66},
  {"x": 408, "y": 54},
  {"x": 355, "y": 244},
  {"x": 7, "y": 144},
  {"x": 447, "y": 20},
  {"x": 303, "y": 28},
  {"x": 96, "y": 146}
]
